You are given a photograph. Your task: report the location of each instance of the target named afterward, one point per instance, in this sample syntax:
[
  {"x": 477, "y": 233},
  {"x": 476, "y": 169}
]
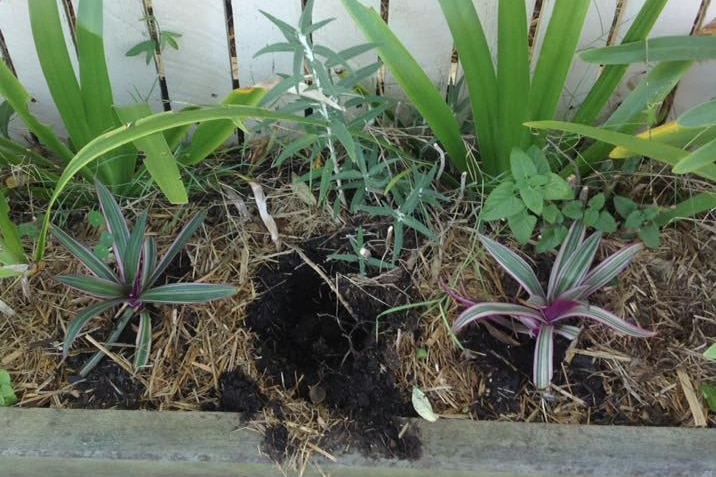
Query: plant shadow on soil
[{"x": 308, "y": 342}]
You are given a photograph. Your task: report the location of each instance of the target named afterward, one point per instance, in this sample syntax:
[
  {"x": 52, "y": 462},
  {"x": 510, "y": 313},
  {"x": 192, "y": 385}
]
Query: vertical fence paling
[
  {"x": 254, "y": 31},
  {"x": 699, "y": 84},
  {"x": 15, "y": 26},
  {"x": 423, "y": 29},
  {"x": 200, "y": 72},
  {"x": 342, "y": 32}
]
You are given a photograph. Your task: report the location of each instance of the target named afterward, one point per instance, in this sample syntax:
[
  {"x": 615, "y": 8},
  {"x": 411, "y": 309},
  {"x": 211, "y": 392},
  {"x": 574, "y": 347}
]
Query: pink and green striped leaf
[
  {"x": 94, "y": 286},
  {"x": 613, "y": 321},
  {"x": 484, "y": 311},
  {"x": 175, "y": 247},
  {"x": 143, "y": 341},
  {"x": 544, "y": 351},
  {"x": 609, "y": 269},
  {"x": 85, "y": 255},
  {"x": 186, "y": 293},
  {"x": 577, "y": 267},
  {"x": 516, "y": 267}
]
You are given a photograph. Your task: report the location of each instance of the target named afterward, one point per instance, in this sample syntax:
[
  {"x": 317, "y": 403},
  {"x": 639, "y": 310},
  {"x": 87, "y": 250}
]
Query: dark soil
[
  {"x": 508, "y": 372},
  {"x": 108, "y": 386},
  {"x": 309, "y": 343},
  {"x": 239, "y": 393}
]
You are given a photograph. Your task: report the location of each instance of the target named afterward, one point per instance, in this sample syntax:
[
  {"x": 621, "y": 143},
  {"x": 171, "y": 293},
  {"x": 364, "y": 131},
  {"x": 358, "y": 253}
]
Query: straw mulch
[{"x": 654, "y": 381}]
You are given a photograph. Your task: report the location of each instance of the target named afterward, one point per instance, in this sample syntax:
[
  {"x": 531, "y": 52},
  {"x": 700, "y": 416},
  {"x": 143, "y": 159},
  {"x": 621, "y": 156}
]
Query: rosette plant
[
  {"x": 543, "y": 315},
  {"x": 134, "y": 284}
]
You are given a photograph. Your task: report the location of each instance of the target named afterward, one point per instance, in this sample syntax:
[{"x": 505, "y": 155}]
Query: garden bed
[{"x": 298, "y": 353}]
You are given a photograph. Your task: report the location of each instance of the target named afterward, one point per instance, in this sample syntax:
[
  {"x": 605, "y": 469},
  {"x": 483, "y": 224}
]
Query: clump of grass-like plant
[
  {"x": 543, "y": 315},
  {"x": 134, "y": 284}
]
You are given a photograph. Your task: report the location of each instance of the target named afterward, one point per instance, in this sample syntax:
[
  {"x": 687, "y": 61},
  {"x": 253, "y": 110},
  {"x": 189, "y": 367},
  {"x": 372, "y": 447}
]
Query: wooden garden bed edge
[{"x": 40, "y": 442}]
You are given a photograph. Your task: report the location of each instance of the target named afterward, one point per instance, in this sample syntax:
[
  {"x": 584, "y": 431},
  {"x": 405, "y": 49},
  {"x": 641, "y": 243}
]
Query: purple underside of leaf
[
  {"x": 558, "y": 308},
  {"x": 460, "y": 299},
  {"x": 487, "y": 311},
  {"x": 603, "y": 316}
]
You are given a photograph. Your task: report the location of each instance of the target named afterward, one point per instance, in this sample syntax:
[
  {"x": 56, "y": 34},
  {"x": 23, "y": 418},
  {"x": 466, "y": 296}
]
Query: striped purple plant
[
  {"x": 133, "y": 285},
  {"x": 543, "y": 315}
]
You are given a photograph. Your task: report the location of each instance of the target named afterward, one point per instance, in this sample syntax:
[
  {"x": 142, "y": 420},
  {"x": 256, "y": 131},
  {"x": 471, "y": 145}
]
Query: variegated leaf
[
  {"x": 542, "y": 364},
  {"x": 609, "y": 269},
  {"x": 185, "y": 293},
  {"x": 81, "y": 320},
  {"x": 515, "y": 266},
  {"x": 94, "y": 286},
  {"x": 84, "y": 255},
  {"x": 481, "y": 311},
  {"x": 613, "y": 321}
]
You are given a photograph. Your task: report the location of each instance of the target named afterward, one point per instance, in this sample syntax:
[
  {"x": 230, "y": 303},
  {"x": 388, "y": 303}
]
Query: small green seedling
[
  {"x": 639, "y": 219},
  {"x": 527, "y": 194},
  {"x": 7, "y": 394},
  {"x": 361, "y": 254}
]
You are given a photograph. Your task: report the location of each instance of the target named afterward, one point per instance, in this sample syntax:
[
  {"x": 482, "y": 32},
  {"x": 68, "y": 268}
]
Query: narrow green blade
[
  {"x": 412, "y": 79},
  {"x": 187, "y": 293},
  {"x": 10, "y": 243},
  {"x": 702, "y": 157},
  {"x": 691, "y": 207},
  {"x": 158, "y": 158},
  {"x": 480, "y": 76},
  {"x": 513, "y": 79},
  {"x": 156, "y": 123},
  {"x": 96, "y": 89},
  {"x": 666, "y": 48},
  {"x": 556, "y": 56},
  {"x": 57, "y": 68},
  {"x": 660, "y": 152},
  {"x": 612, "y": 75},
  {"x": 210, "y": 135},
  {"x": 699, "y": 116},
  {"x": 17, "y": 96}
]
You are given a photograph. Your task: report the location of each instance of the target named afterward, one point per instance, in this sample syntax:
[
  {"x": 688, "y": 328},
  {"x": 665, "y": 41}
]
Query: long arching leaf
[
  {"x": 186, "y": 293},
  {"x": 81, "y": 320},
  {"x": 516, "y": 267}
]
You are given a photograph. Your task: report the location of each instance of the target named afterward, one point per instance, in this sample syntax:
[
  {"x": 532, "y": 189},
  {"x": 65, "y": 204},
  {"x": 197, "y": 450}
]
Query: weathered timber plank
[{"x": 40, "y": 442}]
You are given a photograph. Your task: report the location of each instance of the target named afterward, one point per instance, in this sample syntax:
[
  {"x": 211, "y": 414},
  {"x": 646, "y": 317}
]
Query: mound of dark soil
[{"x": 310, "y": 343}]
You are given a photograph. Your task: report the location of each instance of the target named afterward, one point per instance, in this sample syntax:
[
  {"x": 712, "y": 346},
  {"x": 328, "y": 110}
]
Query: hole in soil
[{"x": 309, "y": 342}]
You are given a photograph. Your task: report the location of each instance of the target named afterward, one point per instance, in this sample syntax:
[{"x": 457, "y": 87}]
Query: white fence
[{"x": 220, "y": 37}]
